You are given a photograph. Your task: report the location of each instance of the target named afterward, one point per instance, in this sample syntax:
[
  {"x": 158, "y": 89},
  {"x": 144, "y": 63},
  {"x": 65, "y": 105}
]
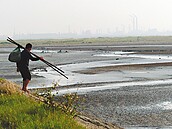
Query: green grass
[{"x": 21, "y": 112}]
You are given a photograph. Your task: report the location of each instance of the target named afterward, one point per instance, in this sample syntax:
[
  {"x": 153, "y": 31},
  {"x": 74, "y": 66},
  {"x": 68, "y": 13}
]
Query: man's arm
[
  {"x": 36, "y": 58},
  {"x": 33, "y": 58}
]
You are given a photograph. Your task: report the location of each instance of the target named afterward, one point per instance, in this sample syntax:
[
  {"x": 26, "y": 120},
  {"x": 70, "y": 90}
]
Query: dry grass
[
  {"x": 91, "y": 41},
  {"x": 7, "y": 87}
]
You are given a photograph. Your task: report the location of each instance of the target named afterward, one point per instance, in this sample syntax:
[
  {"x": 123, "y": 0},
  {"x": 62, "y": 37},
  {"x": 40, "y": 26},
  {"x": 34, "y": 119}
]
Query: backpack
[{"x": 15, "y": 55}]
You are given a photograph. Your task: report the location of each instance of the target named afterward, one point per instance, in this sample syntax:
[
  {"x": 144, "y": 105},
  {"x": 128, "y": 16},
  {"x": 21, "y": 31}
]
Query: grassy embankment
[
  {"x": 96, "y": 41},
  {"x": 20, "y": 111}
]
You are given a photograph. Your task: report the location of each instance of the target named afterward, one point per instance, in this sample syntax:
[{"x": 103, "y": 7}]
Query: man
[{"x": 23, "y": 64}]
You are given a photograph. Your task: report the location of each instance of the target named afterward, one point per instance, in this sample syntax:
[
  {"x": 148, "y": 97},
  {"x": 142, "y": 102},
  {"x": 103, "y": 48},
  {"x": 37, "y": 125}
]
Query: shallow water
[
  {"x": 84, "y": 90},
  {"x": 131, "y": 54},
  {"x": 151, "y": 76},
  {"x": 137, "y": 127}
]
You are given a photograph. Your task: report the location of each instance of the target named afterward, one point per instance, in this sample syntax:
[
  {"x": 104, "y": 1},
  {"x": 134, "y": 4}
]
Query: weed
[{"x": 68, "y": 102}]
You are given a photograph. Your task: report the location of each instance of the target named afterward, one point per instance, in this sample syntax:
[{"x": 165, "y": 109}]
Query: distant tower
[{"x": 134, "y": 22}]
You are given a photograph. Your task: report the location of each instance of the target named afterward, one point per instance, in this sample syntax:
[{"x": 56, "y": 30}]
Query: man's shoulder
[{"x": 25, "y": 52}]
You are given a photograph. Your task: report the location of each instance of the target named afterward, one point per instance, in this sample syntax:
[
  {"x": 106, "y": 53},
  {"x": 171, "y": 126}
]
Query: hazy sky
[{"x": 53, "y": 16}]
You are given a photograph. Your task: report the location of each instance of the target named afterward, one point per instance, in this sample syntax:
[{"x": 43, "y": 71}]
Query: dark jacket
[{"x": 25, "y": 57}]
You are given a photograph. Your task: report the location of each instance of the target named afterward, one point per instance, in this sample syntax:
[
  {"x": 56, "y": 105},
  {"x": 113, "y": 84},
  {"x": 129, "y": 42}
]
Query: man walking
[{"x": 23, "y": 64}]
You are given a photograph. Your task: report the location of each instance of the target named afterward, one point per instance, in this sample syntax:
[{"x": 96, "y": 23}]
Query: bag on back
[{"x": 15, "y": 55}]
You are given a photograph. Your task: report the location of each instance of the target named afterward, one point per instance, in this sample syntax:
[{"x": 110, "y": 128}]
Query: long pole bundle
[{"x": 46, "y": 62}]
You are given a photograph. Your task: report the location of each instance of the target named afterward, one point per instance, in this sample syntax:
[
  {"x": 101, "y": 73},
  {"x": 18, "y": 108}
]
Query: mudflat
[{"x": 129, "y": 85}]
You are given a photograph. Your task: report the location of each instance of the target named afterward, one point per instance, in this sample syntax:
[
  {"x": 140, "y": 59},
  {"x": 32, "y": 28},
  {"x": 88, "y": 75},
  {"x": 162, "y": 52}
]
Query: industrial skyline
[
  {"x": 118, "y": 32},
  {"x": 112, "y": 17},
  {"x": 132, "y": 29}
]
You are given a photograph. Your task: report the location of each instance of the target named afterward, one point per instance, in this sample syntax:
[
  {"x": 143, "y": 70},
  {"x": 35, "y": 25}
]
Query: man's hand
[{"x": 41, "y": 58}]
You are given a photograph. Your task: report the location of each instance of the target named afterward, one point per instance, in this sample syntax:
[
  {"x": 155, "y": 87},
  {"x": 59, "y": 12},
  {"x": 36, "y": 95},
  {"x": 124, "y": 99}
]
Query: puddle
[
  {"x": 149, "y": 108},
  {"x": 127, "y": 54},
  {"x": 83, "y": 90},
  {"x": 145, "y": 127},
  {"x": 165, "y": 105}
]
